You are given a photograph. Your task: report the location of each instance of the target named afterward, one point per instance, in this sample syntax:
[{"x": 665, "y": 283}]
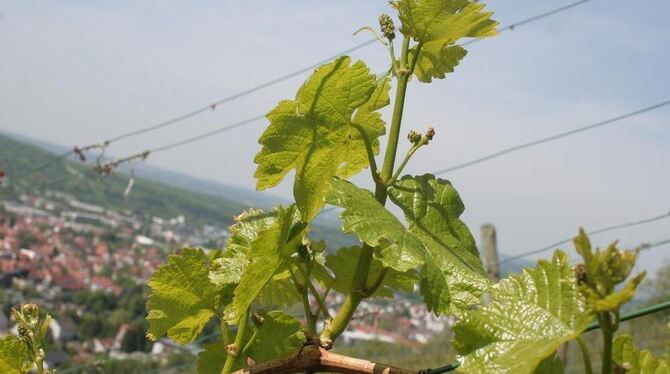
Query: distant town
[{"x": 88, "y": 265}]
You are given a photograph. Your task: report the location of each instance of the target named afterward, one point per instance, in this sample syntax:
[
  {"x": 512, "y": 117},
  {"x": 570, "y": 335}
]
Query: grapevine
[{"x": 329, "y": 132}]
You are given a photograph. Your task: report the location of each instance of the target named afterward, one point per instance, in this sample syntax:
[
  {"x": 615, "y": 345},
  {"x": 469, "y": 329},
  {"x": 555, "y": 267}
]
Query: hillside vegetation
[{"x": 149, "y": 198}]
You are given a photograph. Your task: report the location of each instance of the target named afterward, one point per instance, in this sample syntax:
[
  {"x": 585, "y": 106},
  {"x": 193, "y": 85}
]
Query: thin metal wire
[
  {"x": 310, "y": 67},
  {"x": 598, "y": 231},
  {"x": 43, "y": 166},
  {"x": 636, "y": 314},
  {"x": 207, "y": 134},
  {"x": 553, "y": 137},
  {"x": 238, "y": 95}
]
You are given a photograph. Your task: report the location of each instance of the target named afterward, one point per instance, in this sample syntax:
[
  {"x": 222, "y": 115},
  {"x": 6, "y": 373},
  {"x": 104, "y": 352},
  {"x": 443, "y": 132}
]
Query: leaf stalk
[
  {"x": 608, "y": 335},
  {"x": 370, "y": 152},
  {"x": 585, "y": 355},
  {"x": 232, "y": 355},
  {"x": 410, "y": 153}
]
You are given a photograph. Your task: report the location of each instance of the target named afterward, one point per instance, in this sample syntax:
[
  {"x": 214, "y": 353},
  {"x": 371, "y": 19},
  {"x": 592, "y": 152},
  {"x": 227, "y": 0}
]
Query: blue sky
[{"x": 77, "y": 72}]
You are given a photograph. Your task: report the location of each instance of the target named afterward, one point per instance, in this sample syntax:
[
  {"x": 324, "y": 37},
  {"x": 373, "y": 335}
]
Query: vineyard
[{"x": 261, "y": 301}]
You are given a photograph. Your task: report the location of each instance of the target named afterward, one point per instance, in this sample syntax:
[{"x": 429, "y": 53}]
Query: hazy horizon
[{"x": 78, "y": 73}]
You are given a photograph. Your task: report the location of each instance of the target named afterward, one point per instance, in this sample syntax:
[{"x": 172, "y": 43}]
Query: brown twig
[
  {"x": 110, "y": 167},
  {"x": 313, "y": 358},
  {"x": 81, "y": 151}
]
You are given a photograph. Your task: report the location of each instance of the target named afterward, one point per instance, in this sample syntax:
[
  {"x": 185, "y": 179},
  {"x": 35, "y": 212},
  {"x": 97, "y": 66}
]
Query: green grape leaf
[
  {"x": 550, "y": 365},
  {"x": 228, "y": 269},
  {"x": 375, "y": 226},
  {"x": 634, "y": 361},
  {"x": 246, "y": 228},
  {"x": 309, "y": 134},
  {"x": 614, "y": 300},
  {"x": 280, "y": 291},
  {"x": 211, "y": 358},
  {"x": 13, "y": 353},
  {"x": 279, "y": 335},
  {"x": 369, "y": 118},
  {"x": 437, "y": 25},
  {"x": 44, "y": 327},
  {"x": 182, "y": 298},
  {"x": 453, "y": 274},
  {"x": 604, "y": 270},
  {"x": 268, "y": 256},
  {"x": 530, "y": 315},
  {"x": 435, "y": 61},
  {"x": 343, "y": 265}
]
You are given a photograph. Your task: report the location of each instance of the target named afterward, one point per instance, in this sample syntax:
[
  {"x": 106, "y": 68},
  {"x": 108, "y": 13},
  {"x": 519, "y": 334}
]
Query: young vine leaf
[
  {"x": 530, "y": 315},
  {"x": 375, "y": 226},
  {"x": 229, "y": 266},
  {"x": 211, "y": 358},
  {"x": 368, "y": 117},
  {"x": 550, "y": 365},
  {"x": 436, "y": 25},
  {"x": 343, "y": 264},
  {"x": 604, "y": 271},
  {"x": 313, "y": 133},
  {"x": 278, "y": 335},
  {"x": 275, "y": 335},
  {"x": 183, "y": 299},
  {"x": 631, "y": 360},
  {"x": 269, "y": 256},
  {"x": 453, "y": 274},
  {"x": 13, "y": 355},
  {"x": 246, "y": 229},
  {"x": 228, "y": 269}
]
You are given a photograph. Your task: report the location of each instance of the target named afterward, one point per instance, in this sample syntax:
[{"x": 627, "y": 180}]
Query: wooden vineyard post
[{"x": 490, "y": 249}]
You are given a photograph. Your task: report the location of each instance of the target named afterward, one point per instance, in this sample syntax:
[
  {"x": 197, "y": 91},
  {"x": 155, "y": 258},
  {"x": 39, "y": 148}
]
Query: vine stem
[
  {"x": 410, "y": 153},
  {"x": 302, "y": 289},
  {"x": 358, "y": 290},
  {"x": 231, "y": 357},
  {"x": 608, "y": 334},
  {"x": 585, "y": 355},
  {"x": 316, "y": 359},
  {"x": 225, "y": 333},
  {"x": 370, "y": 152},
  {"x": 319, "y": 300}
]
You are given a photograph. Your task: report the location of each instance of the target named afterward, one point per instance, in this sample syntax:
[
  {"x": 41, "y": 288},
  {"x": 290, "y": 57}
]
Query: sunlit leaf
[
  {"x": 211, "y": 358},
  {"x": 369, "y": 118},
  {"x": 13, "y": 354},
  {"x": 278, "y": 335},
  {"x": 343, "y": 265},
  {"x": 182, "y": 298},
  {"x": 635, "y": 361},
  {"x": 529, "y": 316},
  {"x": 228, "y": 269},
  {"x": 550, "y": 365},
  {"x": 453, "y": 273},
  {"x": 268, "y": 257},
  {"x": 313, "y": 134},
  {"x": 604, "y": 270},
  {"x": 616, "y": 299},
  {"x": 437, "y": 25},
  {"x": 375, "y": 225}
]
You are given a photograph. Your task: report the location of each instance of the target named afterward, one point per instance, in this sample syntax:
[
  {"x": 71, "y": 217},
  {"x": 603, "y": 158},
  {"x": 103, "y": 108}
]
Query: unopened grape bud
[
  {"x": 258, "y": 319},
  {"x": 24, "y": 332},
  {"x": 387, "y": 26},
  {"x": 31, "y": 313},
  {"x": 414, "y": 137},
  {"x": 580, "y": 273},
  {"x": 430, "y": 133}
]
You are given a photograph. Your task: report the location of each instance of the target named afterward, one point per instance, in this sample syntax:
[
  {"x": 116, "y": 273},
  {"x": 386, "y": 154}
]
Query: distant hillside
[
  {"x": 172, "y": 178},
  {"x": 201, "y": 202},
  {"x": 158, "y": 192}
]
